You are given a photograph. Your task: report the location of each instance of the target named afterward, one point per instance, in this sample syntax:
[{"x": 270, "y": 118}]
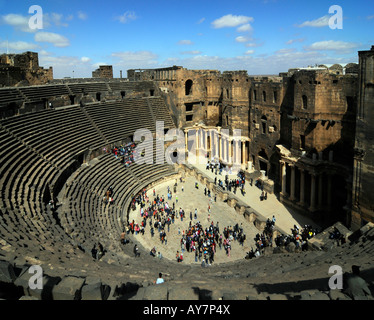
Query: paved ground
[
  {"x": 286, "y": 217},
  {"x": 189, "y": 200},
  {"x": 192, "y": 198}
]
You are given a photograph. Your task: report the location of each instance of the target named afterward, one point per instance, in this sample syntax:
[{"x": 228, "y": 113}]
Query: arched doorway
[{"x": 188, "y": 87}]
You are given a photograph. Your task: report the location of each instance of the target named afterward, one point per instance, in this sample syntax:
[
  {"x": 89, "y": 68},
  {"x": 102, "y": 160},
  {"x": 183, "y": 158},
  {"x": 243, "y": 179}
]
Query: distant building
[
  {"x": 103, "y": 72},
  {"x": 23, "y": 68}
]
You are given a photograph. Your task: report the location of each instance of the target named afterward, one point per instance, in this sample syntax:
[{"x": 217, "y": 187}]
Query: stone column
[
  {"x": 186, "y": 140},
  {"x": 313, "y": 192},
  {"x": 217, "y": 139},
  {"x": 320, "y": 184},
  {"x": 243, "y": 152},
  {"x": 329, "y": 191},
  {"x": 223, "y": 151},
  {"x": 202, "y": 133},
  {"x": 220, "y": 147},
  {"x": 197, "y": 142},
  {"x": 283, "y": 170},
  {"x": 292, "y": 196},
  {"x": 302, "y": 187}
]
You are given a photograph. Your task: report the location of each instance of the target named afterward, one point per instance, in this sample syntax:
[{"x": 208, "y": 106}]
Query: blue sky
[{"x": 260, "y": 36}]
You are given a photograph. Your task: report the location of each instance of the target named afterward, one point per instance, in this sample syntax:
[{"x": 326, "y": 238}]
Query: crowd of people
[
  {"x": 203, "y": 242},
  {"x": 228, "y": 184},
  {"x": 158, "y": 215},
  {"x": 298, "y": 236},
  {"x": 125, "y": 153}
]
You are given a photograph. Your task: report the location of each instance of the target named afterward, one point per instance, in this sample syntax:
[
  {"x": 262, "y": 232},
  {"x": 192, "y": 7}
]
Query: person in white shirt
[{"x": 160, "y": 279}]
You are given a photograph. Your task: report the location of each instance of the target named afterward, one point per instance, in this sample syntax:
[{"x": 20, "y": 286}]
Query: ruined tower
[{"x": 363, "y": 175}]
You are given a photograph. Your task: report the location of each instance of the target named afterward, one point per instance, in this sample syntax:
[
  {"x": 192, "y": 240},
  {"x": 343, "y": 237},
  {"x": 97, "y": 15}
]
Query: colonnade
[
  {"x": 218, "y": 144},
  {"x": 318, "y": 184}
]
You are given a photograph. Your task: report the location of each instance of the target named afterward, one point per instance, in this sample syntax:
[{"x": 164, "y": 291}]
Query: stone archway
[{"x": 188, "y": 87}]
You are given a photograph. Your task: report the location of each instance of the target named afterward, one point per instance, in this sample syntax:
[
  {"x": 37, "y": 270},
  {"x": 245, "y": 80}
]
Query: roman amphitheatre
[{"x": 80, "y": 168}]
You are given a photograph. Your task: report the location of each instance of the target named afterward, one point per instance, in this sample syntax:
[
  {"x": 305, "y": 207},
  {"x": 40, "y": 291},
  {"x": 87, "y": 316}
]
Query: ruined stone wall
[
  {"x": 104, "y": 72},
  {"x": 16, "y": 68},
  {"x": 363, "y": 179},
  {"x": 9, "y": 76},
  {"x": 324, "y": 107},
  {"x": 235, "y": 103},
  {"x": 266, "y": 96}
]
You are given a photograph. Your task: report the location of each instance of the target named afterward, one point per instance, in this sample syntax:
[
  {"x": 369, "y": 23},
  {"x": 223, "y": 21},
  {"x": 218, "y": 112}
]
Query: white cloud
[
  {"x": 56, "y": 39},
  {"x": 44, "y": 53},
  {"x": 291, "y": 41},
  {"x": 82, "y": 15},
  {"x": 285, "y": 51},
  {"x": 185, "y": 42},
  {"x": 85, "y": 59},
  {"x": 259, "y": 64},
  {"x": 331, "y": 45},
  {"x": 242, "y": 39},
  {"x": 54, "y": 18},
  {"x": 318, "y": 23},
  {"x": 370, "y": 17},
  {"x": 253, "y": 45},
  {"x": 63, "y": 66},
  {"x": 127, "y": 17},
  {"x": 18, "y": 46},
  {"x": 136, "y": 59},
  {"x": 249, "y": 51},
  {"x": 17, "y": 21},
  {"x": 98, "y": 64},
  {"x": 231, "y": 21},
  {"x": 201, "y": 21},
  {"x": 191, "y": 52},
  {"x": 245, "y": 28}
]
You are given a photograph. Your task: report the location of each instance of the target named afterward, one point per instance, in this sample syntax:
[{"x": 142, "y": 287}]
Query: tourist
[
  {"x": 136, "y": 251},
  {"x": 153, "y": 252},
  {"x": 159, "y": 279}
]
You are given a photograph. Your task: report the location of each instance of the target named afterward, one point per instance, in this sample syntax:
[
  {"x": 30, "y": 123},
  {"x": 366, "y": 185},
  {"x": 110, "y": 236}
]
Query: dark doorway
[{"x": 188, "y": 87}]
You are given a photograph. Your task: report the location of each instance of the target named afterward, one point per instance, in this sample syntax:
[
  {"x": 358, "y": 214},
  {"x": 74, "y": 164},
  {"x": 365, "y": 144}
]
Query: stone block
[
  {"x": 277, "y": 296},
  {"x": 338, "y": 295},
  {"x": 291, "y": 247},
  {"x": 156, "y": 292},
  {"x": 95, "y": 291},
  {"x": 70, "y": 288},
  {"x": 7, "y": 274},
  {"x": 231, "y": 202},
  {"x": 179, "y": 292}
]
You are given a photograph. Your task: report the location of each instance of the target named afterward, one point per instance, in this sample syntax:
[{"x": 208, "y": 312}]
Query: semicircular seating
[{"x": 39, "y": 148}]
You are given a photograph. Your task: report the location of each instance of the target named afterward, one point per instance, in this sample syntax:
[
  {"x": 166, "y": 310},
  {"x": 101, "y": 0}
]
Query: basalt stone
[
  {"x": 338, "y": 295},
  {"x": 156, "y": 292},
  {"x": 7, "y": 274},
  {"x": 180, "y": 292},
  {"x": 70, "y": 288},
  {"x": 95, "y": 291},
  {"x": 291, "y": 247}
]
